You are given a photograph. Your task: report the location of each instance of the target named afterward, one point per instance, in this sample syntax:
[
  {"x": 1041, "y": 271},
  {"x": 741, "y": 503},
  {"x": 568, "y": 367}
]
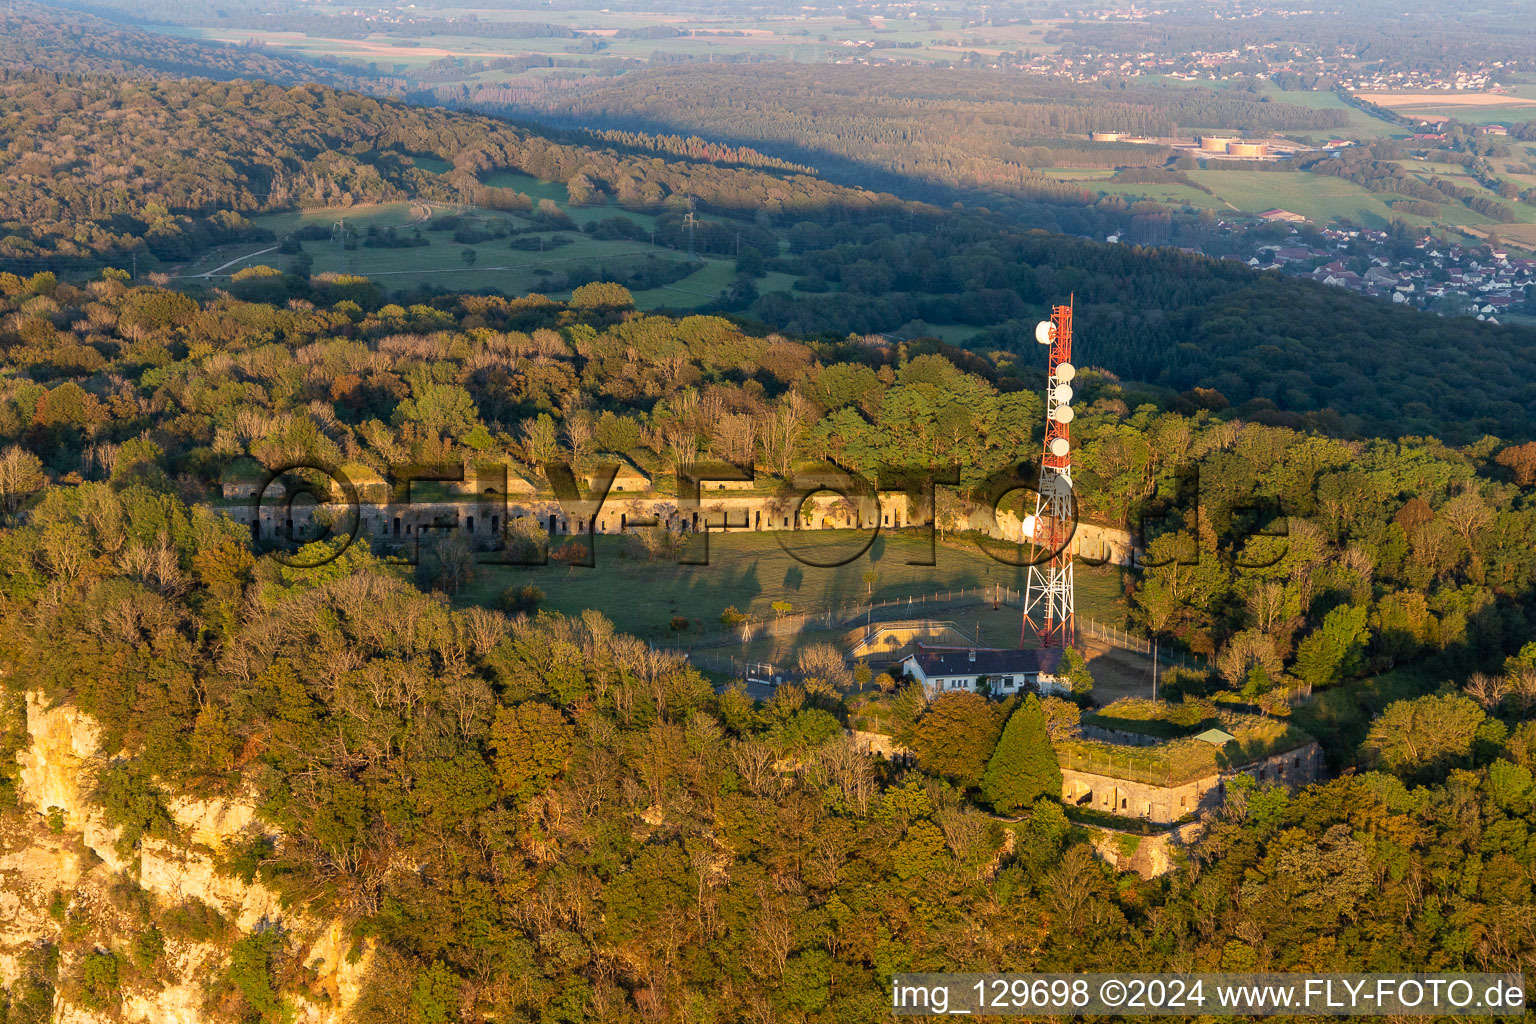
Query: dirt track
[{"x": 1118, "y": 673}]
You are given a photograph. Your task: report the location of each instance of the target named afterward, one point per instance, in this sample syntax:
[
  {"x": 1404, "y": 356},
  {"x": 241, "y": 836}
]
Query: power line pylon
[{"x": 1049, "y": 606}]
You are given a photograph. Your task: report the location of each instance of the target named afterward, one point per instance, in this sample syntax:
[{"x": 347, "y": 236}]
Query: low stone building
[
  {"x": 627, "y": 477},
  {"x": 492, "y": 497},
  {"x": 1174, "y": 797}
]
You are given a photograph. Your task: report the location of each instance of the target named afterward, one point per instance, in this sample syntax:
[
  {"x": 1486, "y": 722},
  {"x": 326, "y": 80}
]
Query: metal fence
[
  {"x": 863, "y": 618},
  {"x": 852, "y": 615}
]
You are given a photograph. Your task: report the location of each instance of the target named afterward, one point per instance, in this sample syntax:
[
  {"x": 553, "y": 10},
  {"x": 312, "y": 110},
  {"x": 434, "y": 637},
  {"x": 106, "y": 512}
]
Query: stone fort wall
[
  {"x": 1167, "y": 804},
  {"x": 484, "y": 519}
]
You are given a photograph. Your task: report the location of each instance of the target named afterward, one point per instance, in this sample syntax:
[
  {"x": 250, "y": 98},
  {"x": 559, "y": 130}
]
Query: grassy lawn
[
  {"x": 530, "y": 186},
  {"x": 995, "y": 627},
  {"x": 1320, "y": 198},
  {"x": 1315, "y": 197},
  {"x": 1099, "y": 179},
  {"x": 1171, "y": 195},
  {"x": 953, "y": 334},
  {"x": 694, "y": 290},
  {"x": 1360, "y": 124},
  {"x": 751, "y": 571},
  {"x": 497, "y": 265}
]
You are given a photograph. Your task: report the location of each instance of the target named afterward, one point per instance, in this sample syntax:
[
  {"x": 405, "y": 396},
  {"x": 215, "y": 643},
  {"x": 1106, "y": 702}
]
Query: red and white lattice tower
[{"x": 1048, "y": 600}]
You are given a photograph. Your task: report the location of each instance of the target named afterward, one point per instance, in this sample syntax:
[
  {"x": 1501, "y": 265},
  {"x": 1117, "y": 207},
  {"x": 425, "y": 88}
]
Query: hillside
[
  {"x": 240, "y": 790},
  {"x": 35, "y": 36},
  {"x": 140, "y": 176},
  {"x": 911, "y": 127}
]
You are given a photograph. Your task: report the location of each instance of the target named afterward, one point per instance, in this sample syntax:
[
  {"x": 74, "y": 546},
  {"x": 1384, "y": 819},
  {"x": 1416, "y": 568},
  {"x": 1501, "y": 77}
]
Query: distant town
[{"x": 1439, "y": 276}]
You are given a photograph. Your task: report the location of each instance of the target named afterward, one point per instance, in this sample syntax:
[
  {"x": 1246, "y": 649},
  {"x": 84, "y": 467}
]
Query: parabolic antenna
[
  {"x": 1065, "y": 372},
  {"x": 1045, "y": 333},
  {"x": 1062, "y": 414},
  {"x": 1030, "y": 522},
  {"x": 1060, "y": 447},
  {"x": 1063, "y": 393}
]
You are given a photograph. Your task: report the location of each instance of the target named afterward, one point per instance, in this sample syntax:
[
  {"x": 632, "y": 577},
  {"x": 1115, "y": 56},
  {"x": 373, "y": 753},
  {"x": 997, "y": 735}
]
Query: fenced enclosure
[{"x": 709, "y": 651}]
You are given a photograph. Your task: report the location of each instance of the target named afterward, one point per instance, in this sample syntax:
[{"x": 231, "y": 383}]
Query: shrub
[
  {"x": 601, "y": 295},
  {"x": 524, "y": 600},
  {"x": 98, "y": 980},
  {"x": 253, "y": 970},
  {"x": 148, "y": 947},
  {"x": 193, "y": 921}
]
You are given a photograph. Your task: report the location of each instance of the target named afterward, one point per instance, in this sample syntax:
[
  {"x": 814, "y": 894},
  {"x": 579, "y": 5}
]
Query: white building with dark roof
[{"x": 1005, "y": 671}]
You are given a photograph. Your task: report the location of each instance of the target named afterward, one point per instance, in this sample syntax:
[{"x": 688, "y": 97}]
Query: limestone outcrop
[{"x": 61, "y": 863}]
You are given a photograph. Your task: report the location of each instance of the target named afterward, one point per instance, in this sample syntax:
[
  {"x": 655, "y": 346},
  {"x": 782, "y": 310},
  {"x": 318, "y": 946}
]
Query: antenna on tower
[{"x": 1049, "y": 606}]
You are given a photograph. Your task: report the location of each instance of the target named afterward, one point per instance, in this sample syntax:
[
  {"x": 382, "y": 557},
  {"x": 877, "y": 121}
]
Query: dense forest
[
  {"x": 154, "y": 178},
  {"x": 127, "y": 384},
  {"x": 36, "y": 36},
  {"x": 540, "y": 819},
  {"x": 520, "y": 817},
  {"x": 143, "y": 177},
  {"x": 946, "y": 128}
]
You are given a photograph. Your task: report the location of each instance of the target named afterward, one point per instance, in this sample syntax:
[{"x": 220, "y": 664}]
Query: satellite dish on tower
[
  {"x": 1063, "y": 414},
  {"x": 1045, "y": 332},
  {"x": 1030, "y": 522},
  {"x": 1065, "y": 372},
  {"x": 1060, "y": 447},
  {"x": 1062, "y": 393}
]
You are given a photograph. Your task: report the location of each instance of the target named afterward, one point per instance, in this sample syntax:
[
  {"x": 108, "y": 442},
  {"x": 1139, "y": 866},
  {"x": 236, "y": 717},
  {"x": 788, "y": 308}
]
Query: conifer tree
[{"x": 1023, "y": 768}]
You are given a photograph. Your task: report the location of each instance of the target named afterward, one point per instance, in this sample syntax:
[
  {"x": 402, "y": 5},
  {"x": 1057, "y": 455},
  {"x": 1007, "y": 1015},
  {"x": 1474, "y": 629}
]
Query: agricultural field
[
  {"x": 751, "y": 571},
  {"x": 1100, "y": 179},
  {"x": 1522, "y": 235},
  {"x": 802, "y": 39},
  {"x": 1519, "y": 104},
  {"x": 1319, "y": 199},
  {"x": 1322, "y": 199},
  {"x": 1361, "y": 125}
]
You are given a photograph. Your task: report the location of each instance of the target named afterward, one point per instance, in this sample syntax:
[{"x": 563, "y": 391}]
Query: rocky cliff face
[{"x": 64, "y": 880}]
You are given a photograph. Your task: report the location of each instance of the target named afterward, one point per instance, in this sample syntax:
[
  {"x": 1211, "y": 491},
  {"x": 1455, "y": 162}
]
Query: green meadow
[{"x": 750, "y": 571}]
